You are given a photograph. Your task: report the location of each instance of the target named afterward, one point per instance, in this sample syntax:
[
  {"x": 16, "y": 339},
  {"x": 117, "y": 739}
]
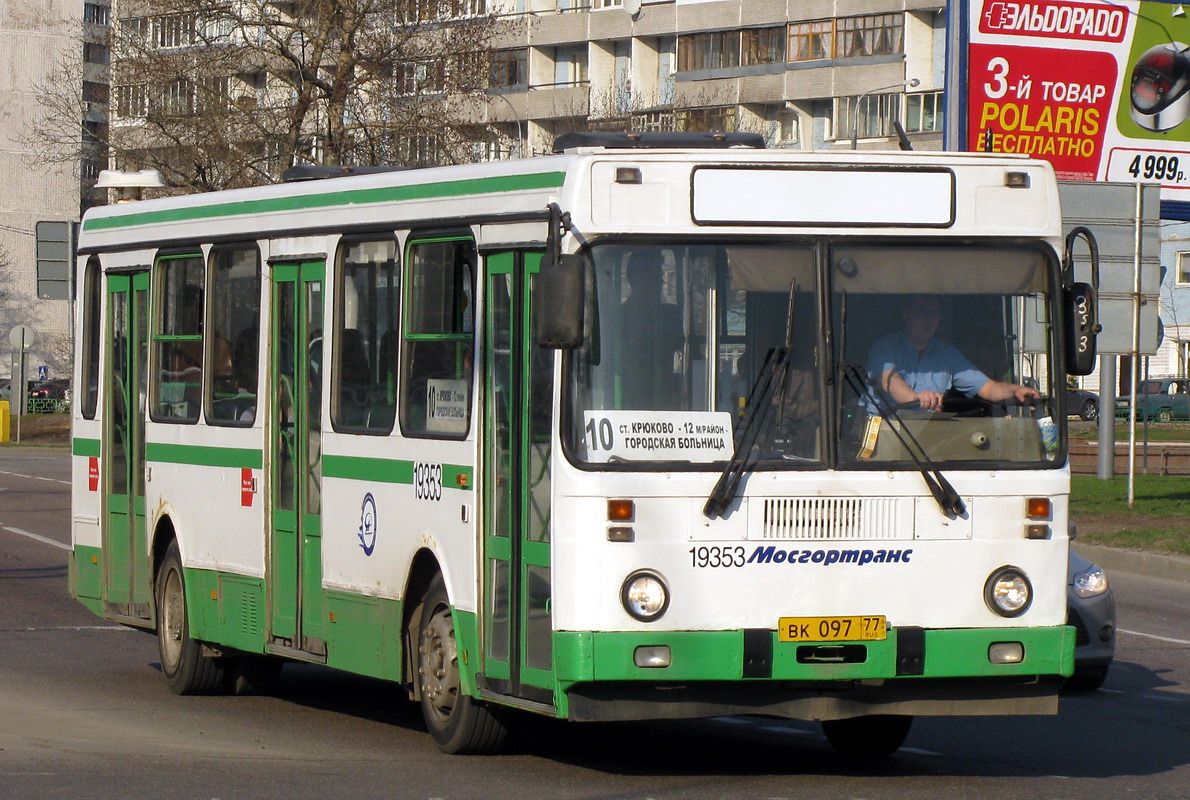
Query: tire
[
  {"x": 875, "y": 736},
  {"x": 458, "y": 723},
  {"x": 186, "y": 669},
  {"x": 1164, "y": 415},
  {"x": 1089, "y": 410}
]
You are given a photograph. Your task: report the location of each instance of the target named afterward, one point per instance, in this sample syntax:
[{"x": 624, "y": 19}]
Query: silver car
[{"x": 1091, "y": 609}]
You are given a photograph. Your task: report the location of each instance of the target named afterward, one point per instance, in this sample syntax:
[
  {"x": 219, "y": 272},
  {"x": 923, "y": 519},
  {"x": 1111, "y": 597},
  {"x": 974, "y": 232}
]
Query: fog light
[
  {"x": 654, "y": 656},
  {"x": 1006, "y": 653},
  {"x": 1106, "y": 632}
]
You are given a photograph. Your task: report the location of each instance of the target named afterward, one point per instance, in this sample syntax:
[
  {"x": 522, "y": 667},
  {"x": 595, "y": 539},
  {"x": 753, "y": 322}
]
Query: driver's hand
[
  {"x": 931, "y": 401},
  {"x": 1025, "y": 394}
]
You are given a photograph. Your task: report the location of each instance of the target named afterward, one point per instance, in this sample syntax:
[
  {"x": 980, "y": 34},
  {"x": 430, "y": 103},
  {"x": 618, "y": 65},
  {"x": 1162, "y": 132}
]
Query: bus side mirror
[
  {"x": 1082, "y": 326},
  {"x": 559, "y": 302}
]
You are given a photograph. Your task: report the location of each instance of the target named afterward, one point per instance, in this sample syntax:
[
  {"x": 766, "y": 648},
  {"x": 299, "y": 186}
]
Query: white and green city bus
[{"x": 594, "y": 435}]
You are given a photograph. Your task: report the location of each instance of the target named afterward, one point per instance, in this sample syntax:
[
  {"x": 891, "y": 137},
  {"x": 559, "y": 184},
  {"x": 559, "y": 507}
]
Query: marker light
[
  {"x": 621, "y": 510},
  {"x": 1038, "y": 508}
]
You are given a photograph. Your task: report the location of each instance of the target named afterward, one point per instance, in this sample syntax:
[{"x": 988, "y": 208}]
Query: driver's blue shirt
[{"x": 940, "y": 368}]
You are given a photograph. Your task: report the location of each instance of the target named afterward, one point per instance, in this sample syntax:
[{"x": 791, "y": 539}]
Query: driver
[{"x": 916, "y": 369}]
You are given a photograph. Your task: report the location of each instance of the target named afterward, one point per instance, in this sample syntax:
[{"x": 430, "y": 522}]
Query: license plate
[{"x": 831, "y": 629}]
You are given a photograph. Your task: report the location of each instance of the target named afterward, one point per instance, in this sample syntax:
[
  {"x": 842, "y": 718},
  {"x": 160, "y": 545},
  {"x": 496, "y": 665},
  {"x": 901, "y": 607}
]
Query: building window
[
  {"x": 867, "y": 116},
  {"x": 510, "y": 68},
  {"x": 570, "y": 65},
  {"x": 95, "y": 14},
  {"x": 720, "y": 118},
  {"x": 762, "y": 46},
  {"x": 95, "y": 53},
  {"x": 809, "y": 41},
  {"x": 597, "y": 4},
  {"x": 712, "y": 50},
  {"x": 174, "y": 30},
  {"x": 132, "y": 101},
  {"x": 923, "y": 111},
  {"x": 1183, "y": 277},
  {"x": 872, "y": 35},
  {"x": 95, "y": 92}
]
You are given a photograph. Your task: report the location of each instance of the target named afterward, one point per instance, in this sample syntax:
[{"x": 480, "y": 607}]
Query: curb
[{"x": 1153, "y": 565}]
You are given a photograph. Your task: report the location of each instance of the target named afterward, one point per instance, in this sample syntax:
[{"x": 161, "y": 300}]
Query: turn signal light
[
  {"x": 621, "y": 510},
  {"x": 1038, "y": 508}
]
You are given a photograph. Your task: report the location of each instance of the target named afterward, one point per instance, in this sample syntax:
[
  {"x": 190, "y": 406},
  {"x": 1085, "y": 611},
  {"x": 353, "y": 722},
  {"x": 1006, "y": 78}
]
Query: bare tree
[{"x": 224, "y": 93}]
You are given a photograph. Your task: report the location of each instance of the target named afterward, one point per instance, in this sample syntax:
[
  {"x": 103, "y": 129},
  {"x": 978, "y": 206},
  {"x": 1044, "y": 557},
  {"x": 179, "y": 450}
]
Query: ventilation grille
[
  {"x": 250, "y": 614},
  {"x": 836, "y": 518}
]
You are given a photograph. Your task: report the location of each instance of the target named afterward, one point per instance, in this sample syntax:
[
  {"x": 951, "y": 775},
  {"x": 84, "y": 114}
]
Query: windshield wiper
[
  {"x": 774, "y": 373},
  {"x": 944, "y": 493}
]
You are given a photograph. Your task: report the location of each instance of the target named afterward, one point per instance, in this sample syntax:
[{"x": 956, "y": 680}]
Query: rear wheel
[
  {"x": 867, "y": 737},
  {"x": 1165, "y": 415},
  {"x": 186, "y": 669},
  {"x": 1089, "y": 410},
  {"x": 458, "y": 723}
]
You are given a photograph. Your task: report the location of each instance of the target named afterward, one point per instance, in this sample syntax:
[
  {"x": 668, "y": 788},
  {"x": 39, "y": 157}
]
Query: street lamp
[
  {"x": 855, "y": 111},
  {"x": 520, "y": 142}
]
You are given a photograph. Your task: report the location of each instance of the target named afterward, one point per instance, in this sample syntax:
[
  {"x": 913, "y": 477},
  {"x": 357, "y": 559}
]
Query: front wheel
[
  {"x": 186, "y": 669},
  {"x": 459, "y": 723},
  {"x": 1165, "y": 415},
  {"x": 867, "y": 737}
]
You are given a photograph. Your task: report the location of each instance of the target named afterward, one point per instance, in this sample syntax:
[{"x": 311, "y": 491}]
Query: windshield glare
[{"x": 687, "y": 345}]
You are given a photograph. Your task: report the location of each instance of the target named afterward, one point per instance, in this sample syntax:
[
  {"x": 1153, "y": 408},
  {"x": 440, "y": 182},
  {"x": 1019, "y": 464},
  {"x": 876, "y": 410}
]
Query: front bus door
[
  {"x": 517, "y": 412},
  {"x": 127, "y": 588},
  {"x": 295, "y": 496}
]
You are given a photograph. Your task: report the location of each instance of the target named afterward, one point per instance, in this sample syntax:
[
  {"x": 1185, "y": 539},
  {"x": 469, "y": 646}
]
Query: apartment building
[{"x": 809, "y": 74}]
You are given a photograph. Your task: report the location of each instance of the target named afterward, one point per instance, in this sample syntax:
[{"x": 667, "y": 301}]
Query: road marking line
[
  {"x": 919, "y": 752},
  {"x": 44, "y": 539},
  {"x": 70, "y": 628},
  {"x": 34, "y": 477},
  {"x": 1169, "y": 639}
]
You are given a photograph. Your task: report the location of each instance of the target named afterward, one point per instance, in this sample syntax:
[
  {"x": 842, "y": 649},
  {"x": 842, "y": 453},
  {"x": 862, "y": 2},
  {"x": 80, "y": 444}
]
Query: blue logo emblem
[{"x": 367, "y": 525}]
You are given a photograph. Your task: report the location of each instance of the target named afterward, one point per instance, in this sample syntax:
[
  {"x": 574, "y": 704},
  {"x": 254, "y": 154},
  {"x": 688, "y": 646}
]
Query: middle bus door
[
  {"x": 127, "y": 588},
  {"x": 295, "y": 539},
  {"x": 518, "y": 634}
]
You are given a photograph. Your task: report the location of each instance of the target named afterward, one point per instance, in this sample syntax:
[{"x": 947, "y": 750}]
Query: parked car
[
  {"x": 1091, "y": 609},
  {"x": 1159, "y": 399},
  {"x": 1084, "y": 404},
  {"x": 55, "y": 389},
  {"x": 5, "y": 388}
]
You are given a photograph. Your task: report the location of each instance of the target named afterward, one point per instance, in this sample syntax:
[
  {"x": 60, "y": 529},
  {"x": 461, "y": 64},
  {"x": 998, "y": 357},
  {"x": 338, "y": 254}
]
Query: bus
[{"x": 597, "y": 435}]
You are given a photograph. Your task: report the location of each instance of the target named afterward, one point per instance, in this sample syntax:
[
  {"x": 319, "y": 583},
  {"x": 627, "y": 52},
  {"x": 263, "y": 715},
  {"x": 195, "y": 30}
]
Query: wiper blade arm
[{"x": 944, "y": 493}]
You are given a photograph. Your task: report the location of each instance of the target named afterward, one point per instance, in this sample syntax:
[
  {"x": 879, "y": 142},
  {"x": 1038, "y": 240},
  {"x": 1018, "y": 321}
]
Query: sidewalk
[{"x": 1154, "y": 565}]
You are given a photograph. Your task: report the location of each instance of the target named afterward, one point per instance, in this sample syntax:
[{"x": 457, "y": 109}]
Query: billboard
[{"x": 1101, "y": 90}]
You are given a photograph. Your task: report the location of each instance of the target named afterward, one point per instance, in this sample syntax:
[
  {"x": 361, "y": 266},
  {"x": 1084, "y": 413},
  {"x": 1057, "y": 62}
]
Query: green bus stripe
[
  {"x": 384, "y": 470},
  {"x": 387, "y": 194},
  {"x": 204, "y": 456},
  {"x": 86, "y": 447}
]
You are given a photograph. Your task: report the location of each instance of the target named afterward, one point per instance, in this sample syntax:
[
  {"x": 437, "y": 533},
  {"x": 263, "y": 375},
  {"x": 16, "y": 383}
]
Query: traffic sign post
[{"x": 21, "y": 339}]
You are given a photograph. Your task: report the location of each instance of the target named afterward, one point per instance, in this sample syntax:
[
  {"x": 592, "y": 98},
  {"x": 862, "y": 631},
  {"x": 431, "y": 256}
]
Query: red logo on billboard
[
  {"x": 247, "y": 486},
  {"x": 93, "y": 474},
  {"x": 1082, "y": 21},
  {"x": 1050, "y": 104}
]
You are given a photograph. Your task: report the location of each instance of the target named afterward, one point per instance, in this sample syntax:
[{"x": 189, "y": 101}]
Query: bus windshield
[{"x": 836, "y": 355}]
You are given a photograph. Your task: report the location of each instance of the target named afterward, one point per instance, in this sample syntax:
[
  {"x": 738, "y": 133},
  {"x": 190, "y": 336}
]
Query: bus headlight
[
  {"x": 644, "y": 596},
  {"x": 1008, "y": 592}
]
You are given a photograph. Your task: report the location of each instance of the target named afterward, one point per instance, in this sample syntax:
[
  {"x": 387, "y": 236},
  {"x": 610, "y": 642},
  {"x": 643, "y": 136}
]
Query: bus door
[
  {"x": 295, "y": 493},
  {"x": 516, "y": 491},
  {"x": 127, "y": 590}
]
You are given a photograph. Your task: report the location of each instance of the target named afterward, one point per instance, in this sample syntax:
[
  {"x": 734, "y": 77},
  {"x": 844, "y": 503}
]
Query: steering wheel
[{"x": 976, "y": 406}]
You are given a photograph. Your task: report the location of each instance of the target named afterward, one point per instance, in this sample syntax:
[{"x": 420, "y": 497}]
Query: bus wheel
[
  {"x": 186, "y": 669},
  {"x": 867, "y": 737},
  {"x": 458, "y": 723}
]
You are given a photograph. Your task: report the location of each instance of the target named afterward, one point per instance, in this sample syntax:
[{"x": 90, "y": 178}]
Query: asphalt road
[{"x": 84, "y": 713}]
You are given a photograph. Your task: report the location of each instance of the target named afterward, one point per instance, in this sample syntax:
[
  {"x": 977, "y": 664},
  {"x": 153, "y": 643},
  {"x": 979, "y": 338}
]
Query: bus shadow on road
[{"x": 34, "y": 573}]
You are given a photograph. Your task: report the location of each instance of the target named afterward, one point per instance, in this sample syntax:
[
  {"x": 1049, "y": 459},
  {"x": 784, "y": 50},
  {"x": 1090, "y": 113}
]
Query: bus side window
[
  {"x": 177, "y": 339},
  {"x": 439, "y": 326},
  {"x": 367, "y": 294},
  {"x": 234, "y": 326}
]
